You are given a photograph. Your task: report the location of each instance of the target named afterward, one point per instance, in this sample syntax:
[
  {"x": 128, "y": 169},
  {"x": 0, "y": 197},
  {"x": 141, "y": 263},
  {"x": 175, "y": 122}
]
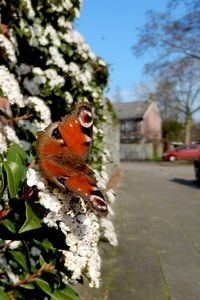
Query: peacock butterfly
[{"x": 62, "y": 151}]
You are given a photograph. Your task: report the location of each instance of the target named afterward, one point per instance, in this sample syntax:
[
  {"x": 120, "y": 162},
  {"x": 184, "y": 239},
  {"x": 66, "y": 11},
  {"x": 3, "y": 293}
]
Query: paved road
[{"x": 158, "y": 225}]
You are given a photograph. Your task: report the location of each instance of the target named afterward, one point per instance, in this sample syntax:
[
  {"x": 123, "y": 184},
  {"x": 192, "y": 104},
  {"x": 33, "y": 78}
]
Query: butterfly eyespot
[
  {"x": 56, "y": 134},
  {"x": 61, "y": 180},
  {"x": 85, "y": 117},
  {"x": 98, "y": 204}
]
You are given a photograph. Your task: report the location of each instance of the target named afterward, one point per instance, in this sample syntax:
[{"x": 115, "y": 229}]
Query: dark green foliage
[
  {"x": 35, "y": 262},
  {"x": 172, "y": 130}
]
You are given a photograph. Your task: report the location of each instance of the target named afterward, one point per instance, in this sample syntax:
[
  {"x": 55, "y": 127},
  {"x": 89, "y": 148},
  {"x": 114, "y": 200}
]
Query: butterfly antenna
[{"x": 97, "y": 175}]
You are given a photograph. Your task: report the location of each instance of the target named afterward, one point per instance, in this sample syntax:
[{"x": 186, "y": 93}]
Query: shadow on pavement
[{"x": 190, "y": 183}]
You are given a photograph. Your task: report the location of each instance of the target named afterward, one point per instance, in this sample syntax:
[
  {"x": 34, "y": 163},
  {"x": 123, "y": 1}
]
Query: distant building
[{"x": 140, "y": 121}]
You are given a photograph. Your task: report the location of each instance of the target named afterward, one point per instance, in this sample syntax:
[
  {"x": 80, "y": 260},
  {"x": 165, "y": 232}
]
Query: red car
[{"x": 183, "y": 152}]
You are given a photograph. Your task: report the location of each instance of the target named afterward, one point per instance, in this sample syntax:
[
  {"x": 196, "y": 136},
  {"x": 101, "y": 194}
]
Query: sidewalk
[{"x": 158, "y": 225}]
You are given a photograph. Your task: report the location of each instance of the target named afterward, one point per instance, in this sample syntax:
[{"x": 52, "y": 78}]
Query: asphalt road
[{"x": 158, "y": 224}]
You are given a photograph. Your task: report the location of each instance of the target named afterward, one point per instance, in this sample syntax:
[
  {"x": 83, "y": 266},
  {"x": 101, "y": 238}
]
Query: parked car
[
  {"x": 183, "y": 152},
  {"x": 197, "y": 170}
]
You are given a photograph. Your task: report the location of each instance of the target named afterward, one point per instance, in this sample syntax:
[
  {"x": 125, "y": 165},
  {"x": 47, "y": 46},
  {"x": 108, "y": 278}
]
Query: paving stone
[{"x": 158, "y": 224}]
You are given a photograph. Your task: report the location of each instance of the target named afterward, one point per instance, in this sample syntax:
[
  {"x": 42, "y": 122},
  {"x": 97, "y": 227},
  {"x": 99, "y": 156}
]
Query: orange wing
[
  {"x": 62, "y": 149},
  {"x": 86, "y": 188},
  {"x": 76, "y": 130}
]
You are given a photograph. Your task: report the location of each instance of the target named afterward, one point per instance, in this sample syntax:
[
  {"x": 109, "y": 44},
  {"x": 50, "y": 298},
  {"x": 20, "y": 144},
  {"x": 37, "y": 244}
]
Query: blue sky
[{"x": 109, "y": 27}]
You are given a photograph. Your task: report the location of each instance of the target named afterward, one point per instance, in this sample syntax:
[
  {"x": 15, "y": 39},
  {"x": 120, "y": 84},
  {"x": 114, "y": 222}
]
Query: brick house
[{"x": 140, "y": 121}]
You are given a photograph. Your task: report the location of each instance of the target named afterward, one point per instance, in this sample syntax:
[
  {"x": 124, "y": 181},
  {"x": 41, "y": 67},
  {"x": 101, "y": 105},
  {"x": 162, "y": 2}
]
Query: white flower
[
  {"x": 52, "y": 33},
  {"x": 51, "y": 220},
  {"x": 57, "y": 58},
  {"x": 71, "y": 239},
  {"x": 26, "y": 145},
  {"x": 6, "y": 43},
  {"x": 76, "y": 12},
  {"x": 94, "y": 267},
  {"x": 63, "y": 22},
  {"x": 111, "y": 196},
  {"x": 74, "y": 68},
  {"x": 33, "y": 177},
  {"x": 29, "y": 9},
  {"x": 31, "y": 86},
  {"x": 62, "y": 5},
  {"x": 13, "y": 278},
  {"x": 67, "y": 4},
  {"x": 11, "y": 134},
  {"x": 35, "y": 251},
  {"x": 42, "y": 109},
  {"x": 3, "y": 144},
  {"x": 101, "y": 62},
  {"x": 43, "y": 40},
  {"x": 83, "y": 248},
  {"x": 38, "y": 71},
  {"x": 108, "y": 231},
  {"x": 10, "y": 87},
  {"x": 74, "y": 263},
  {"x": 22, "y": 69},
  {"x": 12, "y": 244},
  {"x": 54, "y": 78},
  {"x": 49, "y": 201},
  {"x": 37, "y": 28},
  {"x": 68, "y": 98}
]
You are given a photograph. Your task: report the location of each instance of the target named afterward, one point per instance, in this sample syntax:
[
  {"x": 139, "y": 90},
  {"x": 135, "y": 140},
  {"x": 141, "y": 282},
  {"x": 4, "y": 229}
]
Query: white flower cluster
[
  {"x": 79, "y": 225},
  {"x": 64, "y": 23},
  {"x": 22, "y": 69},
  {"x": 75, "y": 38},
  {"x": 108, "y": 231},
  {"x": 8, "y": 47},
  {"x": 48, "y": 77},
  {"x": 4, "y": 266},
  {"x": 3, "y": 143},
  {"x": 53, "y": 35},
  {"x": 41, "y": 108},
  {"x": 10, "y": 87},
  {"x": 48, "y": 36},
  {"x": 11, "y": 90},
  {"x": 28, "y": 8},
  {"x": 72, "y": 216},
  {"x": 59, "y": 6},
  {"x": 10, "y": 134},
  {"x": 68, "y": 98}
]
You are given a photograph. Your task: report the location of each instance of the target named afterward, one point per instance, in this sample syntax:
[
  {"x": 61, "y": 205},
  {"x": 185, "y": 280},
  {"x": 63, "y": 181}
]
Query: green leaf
[
  {"x": 17, "y": 154},
  {"x": 2, "y": 182},
  {"x": 66, "y": 293},
  {"x": 15, "y": 174},
  {"x": 43, "y": 285},
  {"x": 19, "y": 257},
  {"x": 41, "y": 260},
  {"x": 9, "y": 225},
  {"x": 28, "y": 286},
  {"x": 3, "y": 295},
  {"x": 46, "y": 244},
  {"x": 32, "y": 221}
]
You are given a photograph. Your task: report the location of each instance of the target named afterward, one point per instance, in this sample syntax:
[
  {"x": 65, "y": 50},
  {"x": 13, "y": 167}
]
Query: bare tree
[
  {"x": 179, "y": 94},
  {"x": 174, "y": 37},
  {"x": 166, "y": 101},
  {"x": 117, "y": 97}
]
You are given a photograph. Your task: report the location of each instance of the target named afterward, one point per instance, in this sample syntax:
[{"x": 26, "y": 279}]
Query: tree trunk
[{"x": 188, "y": 122}]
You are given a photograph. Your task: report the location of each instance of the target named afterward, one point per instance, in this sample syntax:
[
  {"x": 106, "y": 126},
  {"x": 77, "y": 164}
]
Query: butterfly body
[{"x": 62, "y": 151}]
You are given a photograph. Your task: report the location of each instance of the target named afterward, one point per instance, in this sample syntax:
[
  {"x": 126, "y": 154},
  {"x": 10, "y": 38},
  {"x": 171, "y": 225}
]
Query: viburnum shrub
[{"x": 48, "y": 238}]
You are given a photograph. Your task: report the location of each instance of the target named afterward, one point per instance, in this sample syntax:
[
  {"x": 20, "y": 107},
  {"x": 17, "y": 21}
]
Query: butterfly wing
[
  {"x": 76, "y": 131},
  {"x": 85, "y": 187},
  {"x": 53, "y": 156},
  {"x": 62, "y": 149}
]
